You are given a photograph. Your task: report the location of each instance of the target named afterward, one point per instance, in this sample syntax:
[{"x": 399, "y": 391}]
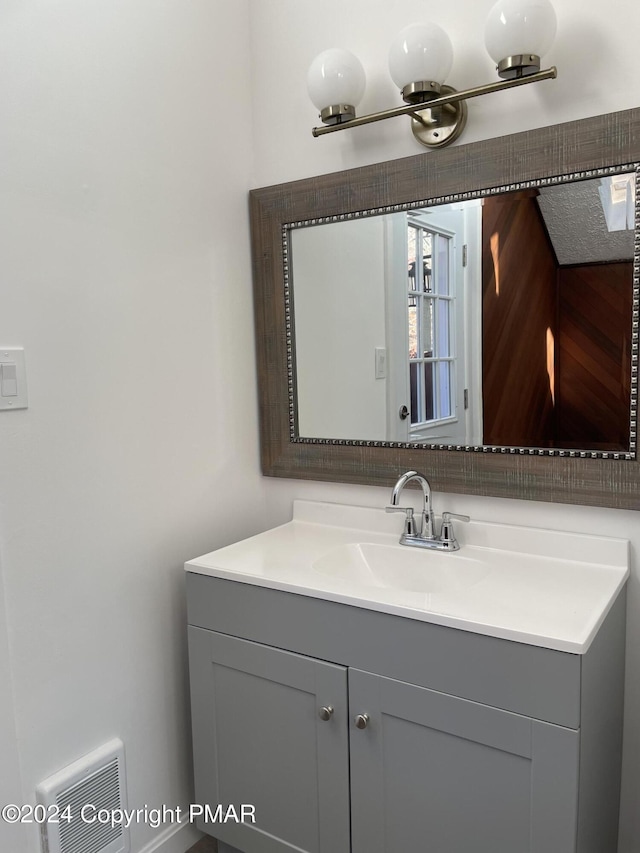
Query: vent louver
[{"x": 84, "y": 788}]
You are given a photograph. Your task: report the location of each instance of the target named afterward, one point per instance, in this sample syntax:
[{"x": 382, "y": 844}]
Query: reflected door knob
[
  {"x": 362, "y": 721},
  {"x": 325, "y": 712}
]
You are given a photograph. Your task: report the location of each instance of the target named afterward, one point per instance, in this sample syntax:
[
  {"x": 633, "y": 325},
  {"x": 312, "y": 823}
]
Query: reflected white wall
[{"x": 339, "y": 311}]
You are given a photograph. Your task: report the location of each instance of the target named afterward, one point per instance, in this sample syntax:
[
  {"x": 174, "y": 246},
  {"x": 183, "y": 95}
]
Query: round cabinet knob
[
  {"x": 362, "y": 721},
  {"x": 325, "y": 712}
]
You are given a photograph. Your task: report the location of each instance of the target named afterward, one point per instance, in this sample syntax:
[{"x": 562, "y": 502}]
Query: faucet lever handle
[
  {"x": 447, "y": 516},
  {"x": 447, "y": 536},
  {"x": 409, "y": 522}
]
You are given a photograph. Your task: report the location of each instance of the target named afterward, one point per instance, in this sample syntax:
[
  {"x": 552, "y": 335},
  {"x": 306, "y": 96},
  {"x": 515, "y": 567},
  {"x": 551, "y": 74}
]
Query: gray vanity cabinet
[
  {"x": 439, "y": 741},
  {"x": 432, "y": 772},
  {"x": 260, "y": 741}
]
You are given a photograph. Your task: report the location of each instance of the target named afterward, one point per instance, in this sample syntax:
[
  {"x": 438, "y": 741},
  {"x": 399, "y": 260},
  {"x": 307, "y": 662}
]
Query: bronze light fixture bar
[{"x": 433, "y": 125}]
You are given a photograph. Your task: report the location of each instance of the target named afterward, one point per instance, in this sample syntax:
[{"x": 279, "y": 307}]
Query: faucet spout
[{"x": 426, "y": 531}]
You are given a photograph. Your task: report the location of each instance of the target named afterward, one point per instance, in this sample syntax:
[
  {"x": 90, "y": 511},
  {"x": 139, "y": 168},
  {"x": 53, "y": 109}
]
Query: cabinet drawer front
[
  {"x": 261, "y": 741},
  {"x": 432, "y": 772}
]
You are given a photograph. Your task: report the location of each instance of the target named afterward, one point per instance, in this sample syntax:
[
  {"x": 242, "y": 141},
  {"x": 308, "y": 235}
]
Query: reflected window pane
[
  {"x": 444, "y": 330},
  {"x": 411, "y": 257},
  {"x": 429, "y": 391},
  {"x": 427, "y": 253},
  {"x": 416, "y": 396},
  {"x": 412, "y": 276},
  {"x": 428, "y": 328},
  {"x": 442, "y": 266},
  {"x": 413, "y": 329},
  {"x": 444, "y": 377}
]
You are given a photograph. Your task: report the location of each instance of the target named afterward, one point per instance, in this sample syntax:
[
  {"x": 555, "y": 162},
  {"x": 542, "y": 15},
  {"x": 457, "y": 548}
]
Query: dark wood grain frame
[{"x": 566, "y": 150}]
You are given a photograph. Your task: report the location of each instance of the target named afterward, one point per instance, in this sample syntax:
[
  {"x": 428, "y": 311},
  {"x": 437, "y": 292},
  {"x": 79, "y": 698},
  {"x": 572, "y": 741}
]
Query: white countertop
[{"x": 544, "y": 588}]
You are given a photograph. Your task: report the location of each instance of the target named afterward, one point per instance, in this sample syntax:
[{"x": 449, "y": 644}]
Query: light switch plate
[{"x": 10, "y": 356}]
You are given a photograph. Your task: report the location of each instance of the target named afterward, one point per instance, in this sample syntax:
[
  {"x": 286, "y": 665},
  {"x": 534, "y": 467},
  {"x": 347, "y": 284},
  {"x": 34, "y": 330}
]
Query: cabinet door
[
  {"x": 434, "y": 773},
  {"x": 259, "y": 740}
]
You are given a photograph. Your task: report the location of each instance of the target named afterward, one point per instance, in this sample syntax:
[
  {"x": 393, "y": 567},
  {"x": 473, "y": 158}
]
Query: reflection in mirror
[{"x": 502, "y": 320}]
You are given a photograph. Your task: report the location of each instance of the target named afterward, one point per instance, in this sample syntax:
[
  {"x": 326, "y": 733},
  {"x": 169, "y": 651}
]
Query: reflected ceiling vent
[{"x": 83, "y": 797}]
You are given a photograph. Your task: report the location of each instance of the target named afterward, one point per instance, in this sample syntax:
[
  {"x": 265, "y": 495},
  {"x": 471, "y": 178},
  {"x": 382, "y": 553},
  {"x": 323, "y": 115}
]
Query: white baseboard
[{"x": 175, "y": 839}]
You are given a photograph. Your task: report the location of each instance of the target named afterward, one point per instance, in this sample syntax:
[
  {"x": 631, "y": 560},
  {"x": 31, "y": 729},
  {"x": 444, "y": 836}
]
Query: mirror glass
[{"x": 502, "y": 319}]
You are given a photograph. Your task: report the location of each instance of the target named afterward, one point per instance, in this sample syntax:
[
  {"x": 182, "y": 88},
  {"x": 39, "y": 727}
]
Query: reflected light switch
[
  {"x": 381, "y": 362},
  {"x": 13, "y": 379}
]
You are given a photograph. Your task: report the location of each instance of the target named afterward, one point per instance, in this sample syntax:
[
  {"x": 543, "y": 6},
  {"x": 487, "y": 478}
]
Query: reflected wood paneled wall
[
  {"x": 593, "y": 355},
  {"x": 519, "y": 315},
  {"x": 556, "y": 352}
]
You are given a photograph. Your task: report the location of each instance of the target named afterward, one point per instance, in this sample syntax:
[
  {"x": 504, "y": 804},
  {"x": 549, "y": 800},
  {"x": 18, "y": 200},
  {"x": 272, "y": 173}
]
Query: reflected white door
[{"x": 432, "y": 323}]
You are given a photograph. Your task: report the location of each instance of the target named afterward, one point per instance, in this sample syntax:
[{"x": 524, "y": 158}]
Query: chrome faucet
[
  {"x": 423, "y": 536},
  {"x": 425, "y": 531}
]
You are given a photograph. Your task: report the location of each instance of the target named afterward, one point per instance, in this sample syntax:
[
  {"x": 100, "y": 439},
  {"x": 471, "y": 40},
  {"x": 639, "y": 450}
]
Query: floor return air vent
[{"x": 80, "y": 791}]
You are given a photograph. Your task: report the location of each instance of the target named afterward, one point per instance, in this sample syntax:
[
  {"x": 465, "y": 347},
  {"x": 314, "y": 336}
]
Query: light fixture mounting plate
[{"x": 440, "y": 126}]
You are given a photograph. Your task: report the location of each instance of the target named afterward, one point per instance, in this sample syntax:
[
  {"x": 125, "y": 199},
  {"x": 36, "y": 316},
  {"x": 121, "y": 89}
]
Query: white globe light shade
[
  {"x": 518, "y": 27},
  {"x": 335, "y": 76},
  {"x": 420, "y": 52}
]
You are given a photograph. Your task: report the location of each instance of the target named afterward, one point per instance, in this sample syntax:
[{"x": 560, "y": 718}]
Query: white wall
[
  {"x": 124, "y": 166},
  {"x": 598, "y": 72},
  {"x": 10, "y": 781}
]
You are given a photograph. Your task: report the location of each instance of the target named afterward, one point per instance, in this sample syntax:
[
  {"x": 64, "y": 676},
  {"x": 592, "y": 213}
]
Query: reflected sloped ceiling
[{"x": 576, "y": 225}]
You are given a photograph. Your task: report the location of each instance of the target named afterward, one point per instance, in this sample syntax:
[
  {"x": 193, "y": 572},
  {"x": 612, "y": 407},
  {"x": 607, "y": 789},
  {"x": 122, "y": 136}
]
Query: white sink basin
[
  {"x": 542, "y": 587},
  {"x": 401, "y": 567}
]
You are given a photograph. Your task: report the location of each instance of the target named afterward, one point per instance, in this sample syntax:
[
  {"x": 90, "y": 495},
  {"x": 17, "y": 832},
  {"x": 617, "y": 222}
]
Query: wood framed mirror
[{"x": 584, "y": 468}]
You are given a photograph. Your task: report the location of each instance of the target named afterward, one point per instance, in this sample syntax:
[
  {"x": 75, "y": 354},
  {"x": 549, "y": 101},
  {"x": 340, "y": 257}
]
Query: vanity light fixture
[{"x": 517, "y": 34}]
